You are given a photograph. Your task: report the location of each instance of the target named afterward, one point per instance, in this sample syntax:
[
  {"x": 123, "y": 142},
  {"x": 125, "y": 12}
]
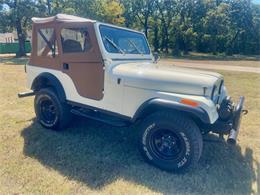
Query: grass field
[{"x": 94, "y": 158}]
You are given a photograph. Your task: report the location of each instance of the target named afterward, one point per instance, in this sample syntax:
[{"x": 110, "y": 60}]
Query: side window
[
  {"x": 46, "y": 42},
  {"x": 75, "y": 40}
]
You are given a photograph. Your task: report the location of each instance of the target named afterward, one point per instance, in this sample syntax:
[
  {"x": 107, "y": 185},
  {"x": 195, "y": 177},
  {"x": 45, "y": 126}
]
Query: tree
[
  {"x": 112, "y": 12},
  {"x": 128, "y": 14},
  {"x": 16, "y": 15},
  {"x": 183, "y": 27},
  {"x": 167, "y": 11},
  {"x": 143, "y": 10},
  {"x": 216, "y": 25},
  {"x": 244, "y": 27},
  {"x": 156, "y": 38},
  {"x": 176, "y": 26},
  {"x": 103, "y": 10}
]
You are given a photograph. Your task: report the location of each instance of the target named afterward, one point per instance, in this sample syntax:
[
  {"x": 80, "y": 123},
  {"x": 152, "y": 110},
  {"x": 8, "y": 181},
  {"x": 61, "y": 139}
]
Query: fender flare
[
  {"x": 49, "y": 80},
  {"x": 156, "y": 104}
]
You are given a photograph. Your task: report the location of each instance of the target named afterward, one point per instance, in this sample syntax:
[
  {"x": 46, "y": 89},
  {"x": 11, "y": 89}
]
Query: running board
[{"x": 95, "y": 115}]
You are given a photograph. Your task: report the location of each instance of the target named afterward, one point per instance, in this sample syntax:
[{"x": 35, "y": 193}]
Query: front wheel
[
  {"x": 50, "y": 112},
  {"x": 170, "y": 141}
]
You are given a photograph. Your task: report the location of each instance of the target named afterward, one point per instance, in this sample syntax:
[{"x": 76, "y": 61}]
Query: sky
[{"x": 256, "y": 1}]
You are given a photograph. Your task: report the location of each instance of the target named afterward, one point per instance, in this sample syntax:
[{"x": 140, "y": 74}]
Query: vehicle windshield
[{"x": 123, "y": 41}]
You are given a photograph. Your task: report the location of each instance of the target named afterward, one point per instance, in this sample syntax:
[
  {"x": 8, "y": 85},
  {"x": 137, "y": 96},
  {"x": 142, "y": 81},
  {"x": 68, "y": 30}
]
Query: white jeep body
[
  {"x": 108, "y": 73},
  {"x": 141, "y": 80}
]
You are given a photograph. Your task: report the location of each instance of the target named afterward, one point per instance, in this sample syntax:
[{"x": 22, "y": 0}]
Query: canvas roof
[{"x": 61, "y": 18}]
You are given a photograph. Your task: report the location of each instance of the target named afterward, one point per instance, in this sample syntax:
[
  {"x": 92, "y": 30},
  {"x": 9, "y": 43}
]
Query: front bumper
[
  {"x": 229, "y": 119},
  {"x": 237, "y": 114}
]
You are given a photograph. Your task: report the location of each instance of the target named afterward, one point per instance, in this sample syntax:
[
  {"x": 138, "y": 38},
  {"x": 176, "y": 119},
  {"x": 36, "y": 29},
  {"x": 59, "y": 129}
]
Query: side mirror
[{"x": 156, "y": 57}]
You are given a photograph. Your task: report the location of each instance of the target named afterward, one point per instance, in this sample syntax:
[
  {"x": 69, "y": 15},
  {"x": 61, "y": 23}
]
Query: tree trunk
[
  {"x": 21, "y": 39},
  {"x": 146, "y": 27},
  {"x": 49, "y": 7},
  {"x": 156, "y": 36},
  {"x": 185, "y": 45},
  {"x": 166, "y": 40}
]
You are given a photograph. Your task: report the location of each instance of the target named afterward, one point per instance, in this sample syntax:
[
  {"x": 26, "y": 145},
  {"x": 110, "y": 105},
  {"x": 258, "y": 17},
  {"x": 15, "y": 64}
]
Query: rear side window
[
  {"x": 46, "y": 42},
  {"x": 75, "y": 40}
]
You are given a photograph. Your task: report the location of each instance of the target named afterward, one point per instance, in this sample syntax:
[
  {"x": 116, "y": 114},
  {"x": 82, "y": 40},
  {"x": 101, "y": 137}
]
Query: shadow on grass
[
  {"x": 13, "y": 60},
  {"x": 97, "y": 154}
]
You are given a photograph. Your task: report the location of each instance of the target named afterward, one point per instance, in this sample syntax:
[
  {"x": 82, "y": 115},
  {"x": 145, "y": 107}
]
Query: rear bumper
[{"x": 26, "y": 94}]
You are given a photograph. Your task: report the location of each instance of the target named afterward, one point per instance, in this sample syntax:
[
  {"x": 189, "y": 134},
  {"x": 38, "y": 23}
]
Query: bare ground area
[
  {"x": 240, "y": 66},
  {"x": 93, "y": 158}
]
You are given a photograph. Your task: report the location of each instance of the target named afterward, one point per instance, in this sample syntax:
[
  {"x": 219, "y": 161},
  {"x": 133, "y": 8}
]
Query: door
[{"x": 81, "y": 58}]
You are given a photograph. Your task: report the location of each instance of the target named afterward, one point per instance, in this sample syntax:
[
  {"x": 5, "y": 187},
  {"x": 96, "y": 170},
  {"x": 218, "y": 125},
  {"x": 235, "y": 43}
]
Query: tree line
[{"x": 173, "y": 27}]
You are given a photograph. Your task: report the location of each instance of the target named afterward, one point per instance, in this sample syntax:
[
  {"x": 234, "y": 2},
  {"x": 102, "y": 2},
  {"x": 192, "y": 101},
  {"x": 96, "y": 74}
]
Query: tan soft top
[{"x": 61, "y": 18}]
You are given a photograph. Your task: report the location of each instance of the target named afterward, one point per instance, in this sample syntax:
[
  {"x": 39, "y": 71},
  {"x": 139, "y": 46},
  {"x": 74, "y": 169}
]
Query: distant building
[
  {"x": 12, "y": 37},
  {"x": 8, "y": 37}
]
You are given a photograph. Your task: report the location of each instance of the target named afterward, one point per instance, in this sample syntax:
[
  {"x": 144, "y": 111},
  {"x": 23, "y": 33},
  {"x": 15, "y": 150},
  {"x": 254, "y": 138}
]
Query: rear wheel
[
  {"x": 171, "y": 141},
  {"x": 50, "y": 112}
]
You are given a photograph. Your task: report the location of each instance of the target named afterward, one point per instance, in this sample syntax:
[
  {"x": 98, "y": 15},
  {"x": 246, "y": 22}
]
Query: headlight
[{"x": 216, "y": 92}]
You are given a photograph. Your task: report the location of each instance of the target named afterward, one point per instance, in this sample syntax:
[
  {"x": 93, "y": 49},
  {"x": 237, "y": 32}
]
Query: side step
[{"x": 95, "y": 115}]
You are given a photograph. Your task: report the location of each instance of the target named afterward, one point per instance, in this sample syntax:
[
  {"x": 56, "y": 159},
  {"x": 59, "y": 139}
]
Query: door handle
[{"x": 65, "y": 66}]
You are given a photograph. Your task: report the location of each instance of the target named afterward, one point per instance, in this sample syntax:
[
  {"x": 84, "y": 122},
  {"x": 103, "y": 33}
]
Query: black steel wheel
[
  {"x": 170, "y": 141},
  {"x": 167, "y": 144},
  {"x": 50, "y": 112}
]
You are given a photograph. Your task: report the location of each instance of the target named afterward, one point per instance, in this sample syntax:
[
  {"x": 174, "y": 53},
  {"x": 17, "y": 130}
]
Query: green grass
[{"x": 93, "y": 158}]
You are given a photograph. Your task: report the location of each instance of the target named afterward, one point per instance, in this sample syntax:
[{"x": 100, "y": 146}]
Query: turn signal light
[{"x": 189, "y": 102}]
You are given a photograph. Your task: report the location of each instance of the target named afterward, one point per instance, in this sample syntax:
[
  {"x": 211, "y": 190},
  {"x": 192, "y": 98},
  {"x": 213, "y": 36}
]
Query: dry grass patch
[{"x": 94, "y": 158}]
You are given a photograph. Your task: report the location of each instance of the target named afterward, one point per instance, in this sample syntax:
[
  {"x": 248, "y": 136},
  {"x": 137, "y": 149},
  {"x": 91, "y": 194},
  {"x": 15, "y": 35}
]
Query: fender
[
  {"x": 49, "y": 80},
  {"x": 156, "y": 104}
]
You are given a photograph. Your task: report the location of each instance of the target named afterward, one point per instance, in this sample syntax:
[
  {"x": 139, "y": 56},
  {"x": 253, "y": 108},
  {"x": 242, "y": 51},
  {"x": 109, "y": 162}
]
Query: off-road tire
[
  {"x": 61, "y": 111},
  {"x": 162, "y": 151}
]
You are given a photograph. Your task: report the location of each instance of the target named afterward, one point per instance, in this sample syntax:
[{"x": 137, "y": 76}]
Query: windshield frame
[{"x": 147, "y": 55}]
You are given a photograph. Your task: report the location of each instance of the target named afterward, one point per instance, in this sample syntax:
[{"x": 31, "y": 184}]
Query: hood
[{"x": 164, "y": 78}]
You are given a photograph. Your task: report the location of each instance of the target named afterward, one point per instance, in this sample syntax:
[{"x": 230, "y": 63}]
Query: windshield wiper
[
  {"x": 114, "y": 45},
  {"x": 133, "y": 44}
]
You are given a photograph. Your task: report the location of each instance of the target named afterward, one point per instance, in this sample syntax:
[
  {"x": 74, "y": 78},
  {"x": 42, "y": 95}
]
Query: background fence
[{"x": 6, "y": 48}]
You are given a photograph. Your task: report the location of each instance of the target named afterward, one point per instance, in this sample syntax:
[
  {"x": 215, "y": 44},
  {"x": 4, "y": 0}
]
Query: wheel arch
[
  {"x": 46, "y": 79},
  {"x": 198, "y": 114}
]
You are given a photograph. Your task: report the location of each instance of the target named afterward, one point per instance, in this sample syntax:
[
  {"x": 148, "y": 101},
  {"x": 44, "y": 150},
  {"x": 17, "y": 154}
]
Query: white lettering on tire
[
  {"x": 182, "y": 162},
  {"x": 144, "y": 140},
  {"x": 187, "y": 153}
]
